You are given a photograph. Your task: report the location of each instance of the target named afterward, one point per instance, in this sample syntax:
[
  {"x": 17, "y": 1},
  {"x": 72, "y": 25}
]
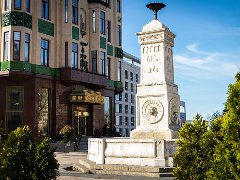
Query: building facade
[
  {"x": 59, "y": 64},
  {"x": 183, "y": 114},
  {"x": 125, "y": 101}
]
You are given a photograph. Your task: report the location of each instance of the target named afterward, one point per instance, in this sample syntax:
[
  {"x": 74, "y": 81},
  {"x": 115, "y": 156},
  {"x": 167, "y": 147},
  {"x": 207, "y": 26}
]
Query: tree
[
  {"x": 21, "y": 158},
  {"x": 226, "y": 161},
  {"x": 194, "y": 150}
]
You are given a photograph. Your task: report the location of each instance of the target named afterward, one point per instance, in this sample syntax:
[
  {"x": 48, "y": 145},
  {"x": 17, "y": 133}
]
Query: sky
[{"x": 207, "y": 47}]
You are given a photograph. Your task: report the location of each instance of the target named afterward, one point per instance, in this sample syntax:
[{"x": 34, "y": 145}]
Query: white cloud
[{"x": 204, "y": 65}]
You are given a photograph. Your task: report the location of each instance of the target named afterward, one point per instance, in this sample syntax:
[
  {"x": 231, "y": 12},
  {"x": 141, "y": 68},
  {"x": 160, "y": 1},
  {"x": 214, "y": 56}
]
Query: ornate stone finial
[{"x": 155, "y": 7}]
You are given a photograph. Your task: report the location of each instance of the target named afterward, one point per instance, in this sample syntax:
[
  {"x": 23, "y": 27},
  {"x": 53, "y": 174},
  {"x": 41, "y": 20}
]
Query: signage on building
[{"x": 87, "y": 97}]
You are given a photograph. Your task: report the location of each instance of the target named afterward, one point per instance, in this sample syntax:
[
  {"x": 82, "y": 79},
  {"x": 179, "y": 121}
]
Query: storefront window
[
  {"x": 14, "y": 107},
  {"x": 107, "y": 110},
  {"x": 43, "y": 124}
]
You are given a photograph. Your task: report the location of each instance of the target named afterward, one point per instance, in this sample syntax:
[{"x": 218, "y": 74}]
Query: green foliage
[
  {"x": 66, "y": 133},
  {"x": 21, "y": 158},
  {"x": 212, "y": 153},
  {"x": 194, "y": 150}
]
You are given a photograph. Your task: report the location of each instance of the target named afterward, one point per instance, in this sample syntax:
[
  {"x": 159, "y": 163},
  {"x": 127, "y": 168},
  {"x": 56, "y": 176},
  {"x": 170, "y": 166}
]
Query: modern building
[
  {"x": 59, "y": 64},
  {"x": 125, "y": 101},
  {"x": 183, "y": 115}
]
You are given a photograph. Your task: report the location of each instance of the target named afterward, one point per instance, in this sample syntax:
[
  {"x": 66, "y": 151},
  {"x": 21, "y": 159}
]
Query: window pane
[
  {"x": 102, "y": 63},
  {"x": 6, "y": 36},
  {"x": 27, "y": 5},
  {"x": 94, "y": 61},
  {"x": 27, "y": 46},
  {"x": 74, "y": 55},
  {"x": 75, "y": 11},
  {"x": 66, "y": 10},
  {"x": 43, "y": 105},
  {"x": 16, "y": 45},
  {"x": 17, "y": 4},
  {"x": 94, "y": 21},
  {"x": 7, "y": 5},
  {"x": 102, "y": 22},
  {"x": 45, "y": 9}
]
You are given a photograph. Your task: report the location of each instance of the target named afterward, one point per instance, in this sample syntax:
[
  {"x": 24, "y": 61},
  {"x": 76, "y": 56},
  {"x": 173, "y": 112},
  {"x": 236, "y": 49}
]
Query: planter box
[{"x": 63, "y": 147}]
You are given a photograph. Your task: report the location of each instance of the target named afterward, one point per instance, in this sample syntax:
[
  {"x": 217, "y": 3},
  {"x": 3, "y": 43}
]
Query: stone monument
[
  {"x": 152, "y": 143},
  {"x": 158, "y": 102}
]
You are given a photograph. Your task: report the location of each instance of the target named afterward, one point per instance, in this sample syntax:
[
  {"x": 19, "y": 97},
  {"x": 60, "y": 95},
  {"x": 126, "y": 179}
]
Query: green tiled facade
[
  {"x": 118, "y": 52},
  {"x": 45, "y": 27},
  {"x": 14, "y": 18},
  {"x": 28, "y": 67},
  {"x": 75, "y": 33},
  {"x": 109, "y": 50},
  {"x": 103, "y": 42}
]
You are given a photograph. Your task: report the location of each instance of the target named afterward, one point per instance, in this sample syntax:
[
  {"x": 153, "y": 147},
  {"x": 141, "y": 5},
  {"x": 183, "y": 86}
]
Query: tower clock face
[{"x": 152, "y": 111}]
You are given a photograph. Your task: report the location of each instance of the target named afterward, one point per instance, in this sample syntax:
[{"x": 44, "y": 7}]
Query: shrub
[
  {"x": 67, "y": 133},
  {"x": 23, "y": 159}
]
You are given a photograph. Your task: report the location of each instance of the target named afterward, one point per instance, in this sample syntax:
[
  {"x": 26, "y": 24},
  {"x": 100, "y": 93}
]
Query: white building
[{"x": 125, "y": 101}]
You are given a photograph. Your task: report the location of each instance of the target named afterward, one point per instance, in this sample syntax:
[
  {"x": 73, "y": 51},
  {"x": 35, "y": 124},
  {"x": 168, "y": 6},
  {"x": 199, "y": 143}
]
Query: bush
[
  {"x": 23, "y": 159},
  {"x": 67, "y": 133}
]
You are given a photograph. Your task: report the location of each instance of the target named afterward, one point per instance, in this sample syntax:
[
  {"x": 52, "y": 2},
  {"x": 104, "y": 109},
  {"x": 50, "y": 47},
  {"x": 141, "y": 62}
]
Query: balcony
[
  {"x": 116, "y": 85},
  {"x": 69, "y": 75},
  {"x": 103, "y": 2}
]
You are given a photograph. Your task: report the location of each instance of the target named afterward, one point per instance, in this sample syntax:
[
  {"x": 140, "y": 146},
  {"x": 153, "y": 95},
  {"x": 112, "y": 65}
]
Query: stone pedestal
[{"x": 153, "y": 142}]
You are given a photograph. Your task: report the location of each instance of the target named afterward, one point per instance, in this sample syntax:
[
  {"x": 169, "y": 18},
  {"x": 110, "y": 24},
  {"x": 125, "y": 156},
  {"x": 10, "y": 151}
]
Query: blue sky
[{"x": 207, "y": 47}]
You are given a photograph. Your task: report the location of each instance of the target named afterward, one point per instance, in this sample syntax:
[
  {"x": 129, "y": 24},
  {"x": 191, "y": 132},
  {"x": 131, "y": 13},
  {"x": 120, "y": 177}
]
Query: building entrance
[{"x": 81, "y": 120}]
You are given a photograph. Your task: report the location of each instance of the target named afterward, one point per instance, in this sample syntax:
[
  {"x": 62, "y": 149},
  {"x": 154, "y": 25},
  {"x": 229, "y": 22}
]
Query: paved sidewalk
[{"x": 68, "y": 159}]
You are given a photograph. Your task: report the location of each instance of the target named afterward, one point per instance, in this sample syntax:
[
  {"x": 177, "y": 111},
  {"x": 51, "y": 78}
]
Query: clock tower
[{"x": 157, "y": 99}]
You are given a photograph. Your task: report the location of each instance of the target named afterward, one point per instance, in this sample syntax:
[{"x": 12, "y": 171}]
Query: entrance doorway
[{"x": 81, "y": 120}]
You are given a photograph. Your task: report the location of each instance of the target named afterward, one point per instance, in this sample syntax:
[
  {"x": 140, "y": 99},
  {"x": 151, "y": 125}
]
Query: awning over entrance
[{"x": 87, "y": 97}]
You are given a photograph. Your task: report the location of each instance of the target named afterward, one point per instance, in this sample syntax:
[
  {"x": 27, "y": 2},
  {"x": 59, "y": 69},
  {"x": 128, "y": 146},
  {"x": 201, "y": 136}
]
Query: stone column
[{"x": 157, "y": 99}]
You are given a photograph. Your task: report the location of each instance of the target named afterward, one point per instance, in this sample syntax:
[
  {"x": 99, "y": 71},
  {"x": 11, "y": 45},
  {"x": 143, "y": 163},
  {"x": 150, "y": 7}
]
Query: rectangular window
[
  {"x": 126, "y": 86},
  {"x": 136, "y": 78},
  {"x": 66, "y": 11},
  {"x": 93, "y": 21},
  {"x": 119, "y": 35},
  {"x": 44, "y": 109},
  {"x": 126, "y": 74},
  {"x": 74, "y": 55},
  {"x": 102, "y": 63},
  {"x": 120, "y": 131},
  {"x": 132, "y": 89},
  {"x": 126, "y": 97},
  {"x": 119, "y": 70},
  {"x": 107, "y": 110},
  {"x": 45, "y": 9},
  {"x": 6, "y": 45},
  {"x": 17, "y": 4},
  {"x": 132, "y": 98},
  {"x": 120, "y": 97},
  {"x": 14, "y": 107},
  {"x": 28, "y": 6},
  {"x": 75, "y": 11},
  {"x": 102, "y": 23},
  {"x": 108, "y": 68},
  {"x": 132, "y": 121},
  {"x": 108, "y": 31},
  {"x": 44, "y": 52},
  {"x": 66, "y": 54},
  {"x": 120, "y": 120},
  {"x": 126, "y": 109},
  {"x": 119, "y": 6},
  {"x": 7, "y": 5},
  {"x": 16, "y": 45},
  {"x": 120, "y": 108},
  {"x": 132, "y": 109},
  {"x": 126, "y": 121},
  {"x": 117, "y": 97},
  {"x": 94, "y": 61},
  {"x": 127, "y": 132},
  {"x": 27, "y": 47},
  {"x": 131, "y": 76}
]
